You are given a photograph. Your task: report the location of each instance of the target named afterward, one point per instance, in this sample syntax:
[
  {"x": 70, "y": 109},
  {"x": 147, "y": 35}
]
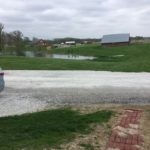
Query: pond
[
  {"x": 71, "y": 57},
  {"x": 59, "y": 56}
]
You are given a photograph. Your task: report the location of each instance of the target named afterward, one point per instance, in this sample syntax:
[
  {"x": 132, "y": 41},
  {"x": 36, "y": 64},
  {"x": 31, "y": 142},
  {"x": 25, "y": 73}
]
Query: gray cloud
[{"x": 80, "y": 18}]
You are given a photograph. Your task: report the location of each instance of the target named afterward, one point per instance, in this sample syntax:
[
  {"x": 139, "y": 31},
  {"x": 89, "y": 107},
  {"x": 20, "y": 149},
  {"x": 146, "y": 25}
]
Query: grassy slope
[
  {"x": 136, "y": 59},
  {"x": 46, "y": 129}
]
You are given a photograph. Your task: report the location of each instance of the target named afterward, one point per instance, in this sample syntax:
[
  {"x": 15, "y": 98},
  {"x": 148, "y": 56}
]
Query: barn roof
[{"x": 116, "y": 38}]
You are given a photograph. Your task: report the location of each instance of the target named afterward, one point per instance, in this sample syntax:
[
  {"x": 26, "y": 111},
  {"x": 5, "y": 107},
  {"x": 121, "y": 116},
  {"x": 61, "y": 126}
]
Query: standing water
[{"x": 60, "y": 56}]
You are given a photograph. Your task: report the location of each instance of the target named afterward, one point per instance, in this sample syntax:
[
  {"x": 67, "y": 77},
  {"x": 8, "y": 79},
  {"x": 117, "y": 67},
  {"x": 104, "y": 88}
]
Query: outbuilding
[
  {"x": 70, "y": 43},
  {"x": 116, "y": 40}
]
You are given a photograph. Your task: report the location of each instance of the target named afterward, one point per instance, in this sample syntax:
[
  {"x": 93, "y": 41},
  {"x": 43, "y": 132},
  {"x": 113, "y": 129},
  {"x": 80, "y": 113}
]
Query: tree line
[{"x": 13, "y": 40}]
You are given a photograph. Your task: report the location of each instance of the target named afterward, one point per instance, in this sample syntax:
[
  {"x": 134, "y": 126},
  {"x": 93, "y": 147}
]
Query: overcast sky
[{"x": 76, "y": 18}]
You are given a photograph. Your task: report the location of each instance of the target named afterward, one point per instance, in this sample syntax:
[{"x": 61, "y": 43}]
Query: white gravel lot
[{"x": 29, "y": 91}]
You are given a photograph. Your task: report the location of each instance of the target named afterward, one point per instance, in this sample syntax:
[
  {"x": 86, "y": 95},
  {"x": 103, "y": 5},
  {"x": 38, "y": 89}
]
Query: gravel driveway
[{"x": 29, "y": 91}]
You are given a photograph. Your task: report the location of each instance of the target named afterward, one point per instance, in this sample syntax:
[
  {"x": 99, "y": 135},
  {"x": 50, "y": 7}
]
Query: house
[
  {"x": 116, "y": 40},
  {"x": 70, "y": 43},
  {"x": 42, "y": 43}
]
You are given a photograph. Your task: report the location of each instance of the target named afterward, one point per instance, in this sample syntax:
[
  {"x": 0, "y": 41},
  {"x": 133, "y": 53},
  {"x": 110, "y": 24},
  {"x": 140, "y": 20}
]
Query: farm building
[
  {"x": 41, "y": 43},
  {"x": 70, "y": 42},
  {"x": 116, "y": 40}
]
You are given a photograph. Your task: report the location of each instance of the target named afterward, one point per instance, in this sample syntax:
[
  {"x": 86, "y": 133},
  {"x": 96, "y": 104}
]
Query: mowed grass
[
  {"x": 46, "y": 129},
  {"x": 136, "y": 59}
]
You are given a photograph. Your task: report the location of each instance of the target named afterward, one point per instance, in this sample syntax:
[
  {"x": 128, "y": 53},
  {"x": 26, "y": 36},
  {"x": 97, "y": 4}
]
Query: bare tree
[{"x": 1, "y": 37}]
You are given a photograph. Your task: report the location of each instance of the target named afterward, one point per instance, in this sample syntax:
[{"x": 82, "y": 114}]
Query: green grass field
[
  {"x": 46, "y": 129},
  {"x": 136, "y": 59}
]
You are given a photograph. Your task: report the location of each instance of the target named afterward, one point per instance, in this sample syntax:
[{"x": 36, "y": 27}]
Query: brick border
[{"x": 125, "y": 136}]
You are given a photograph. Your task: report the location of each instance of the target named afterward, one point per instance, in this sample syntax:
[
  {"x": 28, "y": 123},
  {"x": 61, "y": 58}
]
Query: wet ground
[{"x": 28, "y": 91}]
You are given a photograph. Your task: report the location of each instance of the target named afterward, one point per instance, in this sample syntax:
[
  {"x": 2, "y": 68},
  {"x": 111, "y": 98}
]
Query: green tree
[
  {"x": 18, "y": 42},
  {"x": 1, "y": 37}
]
